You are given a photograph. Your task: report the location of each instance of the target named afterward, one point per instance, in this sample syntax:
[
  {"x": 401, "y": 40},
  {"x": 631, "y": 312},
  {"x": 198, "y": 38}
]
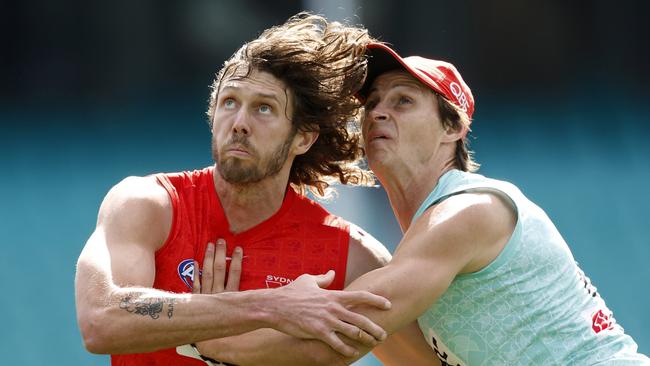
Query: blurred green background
[{"x": 92, "y": 92}]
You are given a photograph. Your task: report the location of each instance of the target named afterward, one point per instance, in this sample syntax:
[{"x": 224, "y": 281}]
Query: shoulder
[
  {"x": 137, "y": 206},
  {"x": 482, "y": 210},
  {"x": 467, "y": 230},
  {"x": 136, "y": 193},
  {"x": 365, "y": 253}
]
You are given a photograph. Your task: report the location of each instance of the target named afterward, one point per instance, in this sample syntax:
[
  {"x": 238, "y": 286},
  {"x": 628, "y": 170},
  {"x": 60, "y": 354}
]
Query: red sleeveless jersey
[{"x": 302, "y": 237}]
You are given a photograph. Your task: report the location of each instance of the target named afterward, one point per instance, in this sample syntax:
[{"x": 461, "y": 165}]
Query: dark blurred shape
[
  {"x": 505, "y": 46},
  {"x": 102, "y": 52},
  {"x": 119, "y": 50}
]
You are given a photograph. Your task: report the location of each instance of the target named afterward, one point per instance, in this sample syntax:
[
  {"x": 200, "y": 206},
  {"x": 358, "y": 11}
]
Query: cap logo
[{"x": 460, "y": 96}]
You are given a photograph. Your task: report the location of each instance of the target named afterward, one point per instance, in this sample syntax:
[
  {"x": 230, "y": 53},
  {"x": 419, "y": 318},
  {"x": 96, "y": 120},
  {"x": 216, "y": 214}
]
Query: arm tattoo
[
  {"x": 170, "y": 308},
  {"x": 151, "y": 307}
]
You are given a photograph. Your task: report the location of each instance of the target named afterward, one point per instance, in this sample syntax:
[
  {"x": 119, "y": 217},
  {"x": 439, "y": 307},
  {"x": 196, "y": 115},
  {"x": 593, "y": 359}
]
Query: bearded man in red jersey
[{"x": 279, "y": 115}]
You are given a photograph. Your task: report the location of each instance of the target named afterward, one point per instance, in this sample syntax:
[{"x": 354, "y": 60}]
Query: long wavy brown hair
[{"x": 323, "y": 65}]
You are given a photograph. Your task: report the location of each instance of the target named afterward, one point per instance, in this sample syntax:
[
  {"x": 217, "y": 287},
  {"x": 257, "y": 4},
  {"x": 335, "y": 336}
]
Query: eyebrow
[
  {"x": 272, "y": 96},
  {"x": 406, "y": 84}
]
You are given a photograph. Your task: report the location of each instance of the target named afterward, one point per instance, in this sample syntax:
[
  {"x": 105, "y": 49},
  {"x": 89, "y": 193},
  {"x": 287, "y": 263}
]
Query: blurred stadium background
[{"x": 92, "y": 92}]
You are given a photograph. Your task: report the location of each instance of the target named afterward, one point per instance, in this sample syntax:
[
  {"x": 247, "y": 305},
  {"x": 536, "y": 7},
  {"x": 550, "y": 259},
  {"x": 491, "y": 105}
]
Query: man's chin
[{"x": 237, "y": 175}]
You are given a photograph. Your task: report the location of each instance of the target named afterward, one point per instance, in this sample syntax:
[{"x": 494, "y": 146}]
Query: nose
[
  {"x": 240, "y": 124},
  {"x": 378, "y": 113}
]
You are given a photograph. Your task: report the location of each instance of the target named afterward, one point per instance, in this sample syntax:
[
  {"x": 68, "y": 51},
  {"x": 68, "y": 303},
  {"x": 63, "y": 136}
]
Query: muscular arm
[
  {"x": 461, "y": 235},
  {"x": 119, "y": 312},
  {"x": 404, "y": 347}
]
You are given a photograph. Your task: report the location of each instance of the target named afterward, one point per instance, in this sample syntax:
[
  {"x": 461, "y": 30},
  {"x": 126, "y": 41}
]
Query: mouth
[
  {"x": 237, "y": 151},
  {"x": 374, "y": 136}
]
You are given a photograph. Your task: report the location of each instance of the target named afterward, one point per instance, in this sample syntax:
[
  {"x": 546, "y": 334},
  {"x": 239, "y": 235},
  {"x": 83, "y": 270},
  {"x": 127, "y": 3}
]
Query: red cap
[{"x": 440, "y": 76}]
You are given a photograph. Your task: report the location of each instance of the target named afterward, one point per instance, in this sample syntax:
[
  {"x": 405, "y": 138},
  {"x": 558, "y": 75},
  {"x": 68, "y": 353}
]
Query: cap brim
[{"x": 381, "y": 59}]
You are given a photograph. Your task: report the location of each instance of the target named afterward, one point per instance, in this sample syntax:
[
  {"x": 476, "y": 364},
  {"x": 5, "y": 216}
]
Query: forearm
[
  {"x": 129, "y": 320},
  {"x": 406, "y": 347},
  {"x": 270, "y": 347}
]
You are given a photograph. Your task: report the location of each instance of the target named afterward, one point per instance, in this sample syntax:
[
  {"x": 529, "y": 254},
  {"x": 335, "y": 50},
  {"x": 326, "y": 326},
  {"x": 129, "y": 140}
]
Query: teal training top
[{"x": 531, "y": 306}]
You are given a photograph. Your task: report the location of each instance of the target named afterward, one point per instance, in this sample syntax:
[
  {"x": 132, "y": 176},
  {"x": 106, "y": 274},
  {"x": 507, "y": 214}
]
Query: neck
[
  {"x": 247, "y": 205},
  {"x": 409, "y": 186}
]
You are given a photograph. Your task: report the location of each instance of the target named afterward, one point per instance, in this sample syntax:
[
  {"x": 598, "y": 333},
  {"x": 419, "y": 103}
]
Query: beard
[{"x": 237, "y": 171}]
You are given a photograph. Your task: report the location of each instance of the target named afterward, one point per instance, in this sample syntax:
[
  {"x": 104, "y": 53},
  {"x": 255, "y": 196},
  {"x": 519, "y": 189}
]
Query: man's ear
[
  {"x": 303, "y": 141},
  {"x": 453, "y": 135}
]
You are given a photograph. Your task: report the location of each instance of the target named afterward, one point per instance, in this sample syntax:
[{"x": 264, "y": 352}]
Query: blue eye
[
  {"x": 229, "y": 103},
  {"x": 404, "y": 100},
  {"x": 265, "y": 109}
]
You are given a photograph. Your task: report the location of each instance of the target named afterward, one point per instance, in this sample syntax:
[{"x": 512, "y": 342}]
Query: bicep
[
  {"x": 121, "y": 263},
  {"x": 411, "y": 283},
  {"x": 133, "y": 221},
  {"x": 445, "y": 241},
  {"x": 451, "y": 238},
  {"x": 424, "y": 264}
]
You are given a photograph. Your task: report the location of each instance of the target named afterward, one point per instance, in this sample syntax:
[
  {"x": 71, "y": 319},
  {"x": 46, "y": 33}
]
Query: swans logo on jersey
[
  {"x": 186, "y": 272},
  {"x": 602, "y": 321},
  {"x": 273, "y": 281}
]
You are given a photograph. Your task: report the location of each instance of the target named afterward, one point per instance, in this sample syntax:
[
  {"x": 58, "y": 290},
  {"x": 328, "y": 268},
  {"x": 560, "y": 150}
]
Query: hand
[
  {"x": 213, "y": 274},
  {"x": 304, "y": 309}
]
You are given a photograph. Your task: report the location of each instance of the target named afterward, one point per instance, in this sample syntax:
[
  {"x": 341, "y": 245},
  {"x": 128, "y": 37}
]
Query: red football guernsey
[{"x": 302, "y": 237}]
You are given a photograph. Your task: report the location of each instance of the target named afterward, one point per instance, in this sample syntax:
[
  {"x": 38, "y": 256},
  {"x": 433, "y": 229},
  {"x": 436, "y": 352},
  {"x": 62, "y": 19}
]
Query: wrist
[{"x": 258, "y": 303}]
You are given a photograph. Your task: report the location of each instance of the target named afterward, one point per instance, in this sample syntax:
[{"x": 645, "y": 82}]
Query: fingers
[
  {"x": 358, "y": 335},
  {"x": 360, "y": 328},
  {"x": 196, "y": 281},
  {"x": 207, "y": 275},
  {"x": 326, "y": 279},
  {"x": 352, "y": 298},
  {"x": 337, "y": 344},
  {"x": 367, "y": 339},
  {"x": 214, "y": 269},
  {"x": 234, "y": 273},
  {"x": 219, "y": 267}
]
